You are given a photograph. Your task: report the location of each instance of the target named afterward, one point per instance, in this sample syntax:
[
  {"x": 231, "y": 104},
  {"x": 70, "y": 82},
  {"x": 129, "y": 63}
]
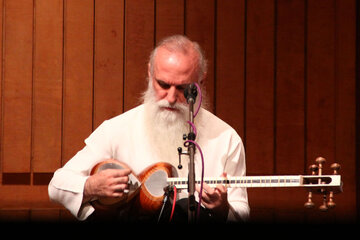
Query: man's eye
[
  {"x": 163, "y": 85},
  {"x": 181, "y": 87}
]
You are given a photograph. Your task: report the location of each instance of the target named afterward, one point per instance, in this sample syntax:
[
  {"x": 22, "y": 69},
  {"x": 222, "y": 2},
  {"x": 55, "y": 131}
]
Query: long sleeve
[
  {"x": 238, "y": 199},
  {"x": 67, "y": 185}
]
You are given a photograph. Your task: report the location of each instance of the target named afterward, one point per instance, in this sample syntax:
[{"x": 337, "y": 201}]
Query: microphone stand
[
  {"x": 191, "y": 177},
  {"x": 190, "y": 94}
]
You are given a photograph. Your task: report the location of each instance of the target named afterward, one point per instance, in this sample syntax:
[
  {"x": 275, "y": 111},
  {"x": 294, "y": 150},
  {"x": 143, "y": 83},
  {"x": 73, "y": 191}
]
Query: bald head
[{"x": 181, "y": 45}]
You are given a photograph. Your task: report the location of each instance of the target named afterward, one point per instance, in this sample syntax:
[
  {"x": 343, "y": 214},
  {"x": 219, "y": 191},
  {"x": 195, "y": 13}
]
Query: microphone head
[{"x": 190, "y": 92}]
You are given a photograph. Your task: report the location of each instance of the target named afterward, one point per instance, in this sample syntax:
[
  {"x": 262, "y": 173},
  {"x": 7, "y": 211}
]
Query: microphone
[{"x": 190, "y": 93}]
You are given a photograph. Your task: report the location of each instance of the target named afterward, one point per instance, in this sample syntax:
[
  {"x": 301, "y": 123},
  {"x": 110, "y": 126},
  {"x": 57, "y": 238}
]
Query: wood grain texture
[
  {"x": 169, "y": 18},
  {"x": 139, "y": 41},
  {"x": 230, "y": 64},
  {"x": 78, "y": 75},
  {"x": 17, "y": 86},
  {"x": 108, "y": 60},
  {"x": 199, "y": 27},
  {"x": 47, "y": 86},
  {"x": 260, "y": 83},
  {"x": 281, "y": 73}
]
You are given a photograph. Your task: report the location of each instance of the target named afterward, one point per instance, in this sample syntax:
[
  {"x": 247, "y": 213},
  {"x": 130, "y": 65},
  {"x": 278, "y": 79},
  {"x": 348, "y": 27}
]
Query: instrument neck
[{"x": 312, "y": 181}]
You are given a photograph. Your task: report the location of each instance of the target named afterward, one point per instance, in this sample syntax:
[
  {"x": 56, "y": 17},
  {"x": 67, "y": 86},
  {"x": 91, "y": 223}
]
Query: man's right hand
[{"x": 107, "y": 183}]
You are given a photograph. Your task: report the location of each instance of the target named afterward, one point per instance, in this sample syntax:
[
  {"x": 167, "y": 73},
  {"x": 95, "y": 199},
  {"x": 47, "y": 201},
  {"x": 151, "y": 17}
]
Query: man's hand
[
  {"x": 215, "y": 199},
  {"x": 107, "y": 183}
]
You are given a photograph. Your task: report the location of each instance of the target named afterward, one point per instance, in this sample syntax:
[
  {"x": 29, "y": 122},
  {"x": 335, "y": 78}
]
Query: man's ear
[{"x": 202, "y": 80}]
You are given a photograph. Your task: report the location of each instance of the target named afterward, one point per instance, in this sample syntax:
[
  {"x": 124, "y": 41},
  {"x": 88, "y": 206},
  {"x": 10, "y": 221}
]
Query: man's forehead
[
  {"x": 174, "y": 77},
  {"x": 175, "y": 64},
  {"x": 164, "y": 54}
]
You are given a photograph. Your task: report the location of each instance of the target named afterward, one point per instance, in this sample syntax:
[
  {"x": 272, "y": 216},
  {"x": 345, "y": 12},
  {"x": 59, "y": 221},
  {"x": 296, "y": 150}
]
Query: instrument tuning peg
[
  {"x": 313, "y": 168},
  {"x": 324, "y": 206},
  {"x": 331, "y": 203},
  {"x": 320, "y": 161},
  {"x": 335, "y": 167},
  {"x": 309, "y": 203}
]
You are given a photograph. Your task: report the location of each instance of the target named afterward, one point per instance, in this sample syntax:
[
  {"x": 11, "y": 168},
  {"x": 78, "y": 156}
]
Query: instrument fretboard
[{"x": 264, "y": 181}]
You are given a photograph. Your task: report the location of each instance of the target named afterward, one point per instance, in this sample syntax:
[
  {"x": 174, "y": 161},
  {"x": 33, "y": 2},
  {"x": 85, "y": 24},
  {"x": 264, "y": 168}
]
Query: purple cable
[
  {"x": 200, "y": 96},
  {"x": 202, "y": 174},
  {"x": 193, "y": 127}
]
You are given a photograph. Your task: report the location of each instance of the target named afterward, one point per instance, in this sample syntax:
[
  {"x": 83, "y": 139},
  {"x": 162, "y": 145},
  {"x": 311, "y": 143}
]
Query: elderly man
[{"x": 151, "y": 133}]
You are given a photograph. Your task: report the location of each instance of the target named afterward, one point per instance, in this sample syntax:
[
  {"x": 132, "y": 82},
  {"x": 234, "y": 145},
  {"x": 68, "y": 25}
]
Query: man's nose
[{"x": 171, "y": 95}]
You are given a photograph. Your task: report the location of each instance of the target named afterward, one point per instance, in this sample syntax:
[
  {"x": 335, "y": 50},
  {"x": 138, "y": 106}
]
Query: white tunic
[{"x": 123, "y": 138}]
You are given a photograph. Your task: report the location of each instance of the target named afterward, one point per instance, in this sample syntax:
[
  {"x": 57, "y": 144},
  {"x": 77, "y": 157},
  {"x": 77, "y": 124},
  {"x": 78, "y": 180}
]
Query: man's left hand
[{"x": 215, "y": 199}]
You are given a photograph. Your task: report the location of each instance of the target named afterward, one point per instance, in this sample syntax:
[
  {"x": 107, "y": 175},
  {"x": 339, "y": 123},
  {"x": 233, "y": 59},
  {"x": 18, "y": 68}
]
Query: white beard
[{"x": 165, "y": 128}]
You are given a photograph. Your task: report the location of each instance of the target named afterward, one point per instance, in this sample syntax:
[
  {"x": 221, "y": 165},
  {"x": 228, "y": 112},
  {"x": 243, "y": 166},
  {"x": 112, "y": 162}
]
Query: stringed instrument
[{"x": 148, "y": 188}]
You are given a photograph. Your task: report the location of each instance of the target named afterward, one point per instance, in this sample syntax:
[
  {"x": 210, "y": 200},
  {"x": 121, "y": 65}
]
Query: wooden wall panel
[
  {"x": 1, "y": 89},
  {"x": 289, "y": 104},
  {"x": 259, "y": 110},
  {"x": 78, "y": 75},
  {"x": 345, "y": 46},
  {"x": 47, "y": 86},
  {"x": 290, "y": 87},
  {"x": 199, "y": 26},
  {"x": 320, "y": 85},
  {"x": 17, "y": 86},
  {"x": 282, "y": 73},
  {"x": 139, "y": 41},
  {"x": 320, "y": 80},
  {"x": 230, "y": 64},
  {"x": 259, "y": 101},
  {"x": 108, "y": 55},
  {"x": 169, "y": 18}
]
